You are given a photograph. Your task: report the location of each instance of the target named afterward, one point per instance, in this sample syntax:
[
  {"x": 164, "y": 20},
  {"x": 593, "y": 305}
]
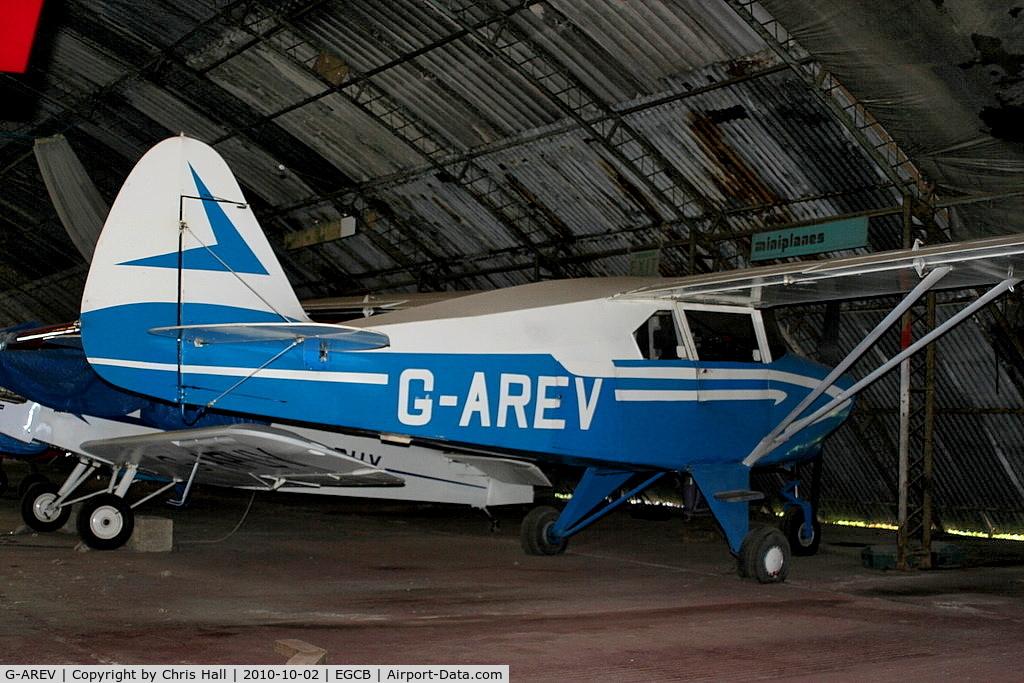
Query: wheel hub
[
  {"x": 106, "y": 522},
  {"x": 774, "y": 559},
  {"x": 44, "y": 508}
]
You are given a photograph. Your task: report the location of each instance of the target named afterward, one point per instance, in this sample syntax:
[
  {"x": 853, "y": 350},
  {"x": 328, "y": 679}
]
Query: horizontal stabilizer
[
  {"x": 349, "y": 338},
  {"x": 246, "y": 455}
]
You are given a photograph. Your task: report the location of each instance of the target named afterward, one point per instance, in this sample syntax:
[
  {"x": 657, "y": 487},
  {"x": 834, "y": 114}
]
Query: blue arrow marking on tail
[{"x": 229, "y": 253}]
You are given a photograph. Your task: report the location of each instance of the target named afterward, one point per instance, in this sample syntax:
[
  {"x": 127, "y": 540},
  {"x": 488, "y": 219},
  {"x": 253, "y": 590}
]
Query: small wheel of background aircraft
[
  {"x": 39, "y": 508},
  {"x": 28, "y": 481},
  {"x": 15, "y": 449}
]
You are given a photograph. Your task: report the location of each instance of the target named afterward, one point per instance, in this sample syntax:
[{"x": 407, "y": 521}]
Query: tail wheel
[
  {"x": 765, "y": 555},
  {"x": 794, "y": 525},
  {"x": 535, "y": 533},
  {"x": 38, "y": 508},
  {"x": 105, "y": 522}
]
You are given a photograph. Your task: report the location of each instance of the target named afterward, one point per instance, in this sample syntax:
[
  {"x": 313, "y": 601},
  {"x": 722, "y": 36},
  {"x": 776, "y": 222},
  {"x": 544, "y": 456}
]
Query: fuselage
[{"x": 556, "y": 371}]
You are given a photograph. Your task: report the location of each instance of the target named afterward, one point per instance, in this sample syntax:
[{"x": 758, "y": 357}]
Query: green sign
[
  {"x": 644, "y": 262},
  {"x": 810, "y": 239}
]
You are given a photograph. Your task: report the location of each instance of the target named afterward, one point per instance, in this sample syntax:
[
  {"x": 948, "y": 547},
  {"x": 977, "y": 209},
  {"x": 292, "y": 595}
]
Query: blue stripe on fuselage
[{"x": 524, "y": 402}]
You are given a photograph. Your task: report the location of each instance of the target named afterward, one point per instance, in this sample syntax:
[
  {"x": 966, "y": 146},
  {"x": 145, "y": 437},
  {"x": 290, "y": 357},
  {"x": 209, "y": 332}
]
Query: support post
[
  {"x": 917, "y": 413},
  {"x": 903, "y": 451},
  {"x": 927, "y": 444}
]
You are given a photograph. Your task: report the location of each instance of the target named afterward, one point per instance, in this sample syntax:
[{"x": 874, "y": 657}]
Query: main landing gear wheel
[
  {"x": 793, "y": 525},
  {"x": 764, "y": 555},
  {"x": 534, "y": 532},
  {"x": 29, "y": 481},
  {"x": 105, "y": 522},
  {"x": 38, "y": 510}
]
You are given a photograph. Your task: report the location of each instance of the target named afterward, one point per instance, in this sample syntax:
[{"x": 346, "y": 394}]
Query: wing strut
[
  {"x": 182, "y": 500},
  {"x": 790, "y": 426}
]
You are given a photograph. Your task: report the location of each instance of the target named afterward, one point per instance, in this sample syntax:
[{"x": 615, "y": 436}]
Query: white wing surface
[
  {"x": 248, "y": 455},
  {"x": 974, "y": 263}
]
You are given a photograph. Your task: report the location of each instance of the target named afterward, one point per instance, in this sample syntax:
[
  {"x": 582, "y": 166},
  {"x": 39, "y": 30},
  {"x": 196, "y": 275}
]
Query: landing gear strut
[
  {"x": 799, "y": 521},
  {"x": 546, "y": 531},
  {"x": 803, "y": 541}
]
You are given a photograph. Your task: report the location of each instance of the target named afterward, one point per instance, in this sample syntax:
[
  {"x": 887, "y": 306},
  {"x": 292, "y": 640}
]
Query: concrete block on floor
[
  {"x": 943, "y": 556},
  {"x": 947, "y": 556},
  {"x": 152, "y": 535},
  {"x": 880, "y": 557}
]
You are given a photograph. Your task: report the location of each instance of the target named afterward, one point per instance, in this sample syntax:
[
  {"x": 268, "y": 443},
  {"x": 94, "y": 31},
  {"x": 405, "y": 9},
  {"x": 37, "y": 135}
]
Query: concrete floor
[{"x": 632, "y": 600}]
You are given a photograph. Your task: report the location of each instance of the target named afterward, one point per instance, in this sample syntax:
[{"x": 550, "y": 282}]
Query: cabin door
[{"x": 732, "y": 378}]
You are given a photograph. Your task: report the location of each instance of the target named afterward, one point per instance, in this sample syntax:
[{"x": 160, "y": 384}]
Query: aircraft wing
[
  {"x": 350, "y": 307},
  {"x": 246, "y": 455},
  {"x": 974, "y": 263}
]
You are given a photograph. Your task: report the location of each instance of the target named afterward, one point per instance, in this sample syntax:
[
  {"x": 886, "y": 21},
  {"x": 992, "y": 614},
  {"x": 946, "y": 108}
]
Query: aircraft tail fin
[{"x": 180, "y": 247}]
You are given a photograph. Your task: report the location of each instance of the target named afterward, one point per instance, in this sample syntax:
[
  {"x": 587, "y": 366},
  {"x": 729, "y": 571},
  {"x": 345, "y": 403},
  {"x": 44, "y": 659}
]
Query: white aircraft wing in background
[{"x": 241, "y": 455}]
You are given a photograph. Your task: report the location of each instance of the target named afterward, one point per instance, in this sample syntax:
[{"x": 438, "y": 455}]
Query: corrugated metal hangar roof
[{"x": 486, "y": 144}]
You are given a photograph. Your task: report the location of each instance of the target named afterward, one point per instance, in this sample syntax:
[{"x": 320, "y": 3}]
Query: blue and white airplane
[{"x": 631, "y": 379}]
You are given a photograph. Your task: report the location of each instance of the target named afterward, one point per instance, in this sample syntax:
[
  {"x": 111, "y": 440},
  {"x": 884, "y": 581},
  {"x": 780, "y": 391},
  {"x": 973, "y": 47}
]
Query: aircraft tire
[
  {"x": 534, "y": 532},
  {"x": 765, "y": 555},
  {"x": 35, "y": 507},
  {"x": 105, "y": 522},
  {"x": 29, "y": 481},
  {"x": 793, "y": 526}
]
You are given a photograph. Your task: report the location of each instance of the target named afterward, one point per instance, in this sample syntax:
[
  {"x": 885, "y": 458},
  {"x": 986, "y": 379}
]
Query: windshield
[{"x": 776, "y": 343}]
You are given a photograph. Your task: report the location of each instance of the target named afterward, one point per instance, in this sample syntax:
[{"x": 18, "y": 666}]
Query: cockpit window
[
  {"x": 657, "y": 338},
  {"x": 721, "y": 336}
]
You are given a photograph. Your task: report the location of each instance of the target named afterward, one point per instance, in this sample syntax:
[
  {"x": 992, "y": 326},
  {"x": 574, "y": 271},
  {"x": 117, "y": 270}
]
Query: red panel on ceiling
[{"x": 18, "y": 20}]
